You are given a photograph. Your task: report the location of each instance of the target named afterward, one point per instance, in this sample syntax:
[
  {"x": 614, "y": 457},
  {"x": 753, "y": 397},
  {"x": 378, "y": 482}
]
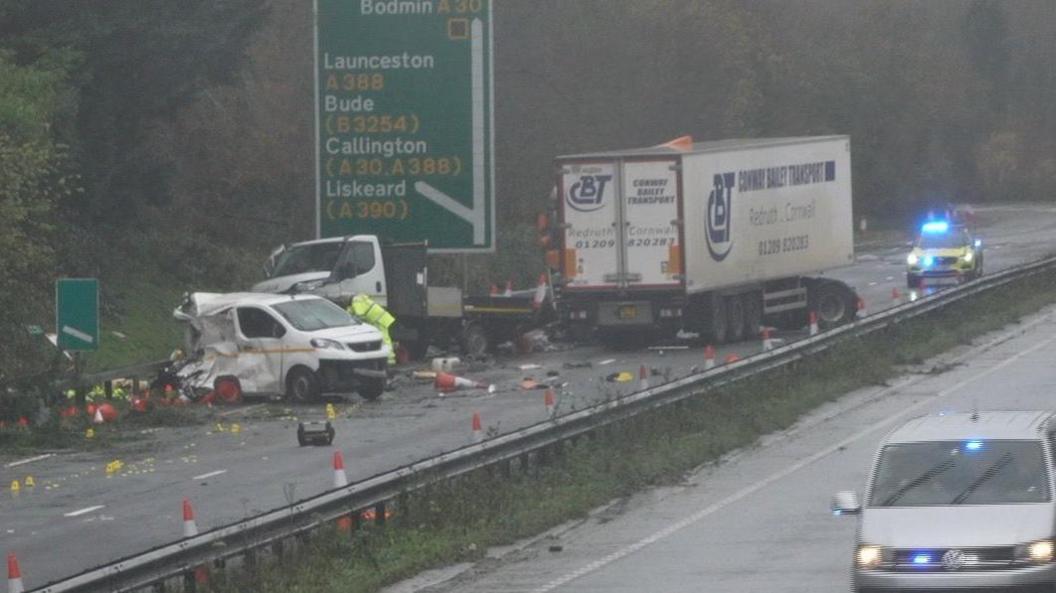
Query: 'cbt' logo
[
  {"x": 718, "y": 216},
  {"x": 586, "y": 195}
]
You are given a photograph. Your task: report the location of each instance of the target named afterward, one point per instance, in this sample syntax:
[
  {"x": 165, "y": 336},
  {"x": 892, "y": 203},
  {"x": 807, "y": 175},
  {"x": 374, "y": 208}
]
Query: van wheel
[
  {"x": 371, "y": 389},
  {"x": 302, "y": 385},
  {"x": 735, "y": 318}
]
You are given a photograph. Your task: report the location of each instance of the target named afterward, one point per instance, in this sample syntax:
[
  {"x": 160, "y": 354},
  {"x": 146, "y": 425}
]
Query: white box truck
[{"x": 717, "y": 238}]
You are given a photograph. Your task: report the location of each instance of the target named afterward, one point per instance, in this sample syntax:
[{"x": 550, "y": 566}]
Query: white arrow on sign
[
  {"x": 72, "y": 331},
  {"x": 475, "y": 215}
]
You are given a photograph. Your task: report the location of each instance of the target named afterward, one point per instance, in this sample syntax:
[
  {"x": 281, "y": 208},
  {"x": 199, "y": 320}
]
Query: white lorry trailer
[{"x": 717, "y": 238}]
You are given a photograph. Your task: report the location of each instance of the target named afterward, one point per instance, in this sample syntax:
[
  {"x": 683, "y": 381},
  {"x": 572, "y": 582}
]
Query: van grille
[
  {"x": 972, "y": 559},
  {"x": 365, "y": 346}
]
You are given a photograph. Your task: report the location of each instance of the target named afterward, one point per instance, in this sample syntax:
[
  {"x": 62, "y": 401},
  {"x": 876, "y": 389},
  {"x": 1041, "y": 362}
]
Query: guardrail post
[
  {"x": 135, "y": 385},
  {"x": 379, "y": 514},
  {"x": 277, "y": 549},
  {"x": 190, "y": 582},
  {"x": 108, "y": 388}
]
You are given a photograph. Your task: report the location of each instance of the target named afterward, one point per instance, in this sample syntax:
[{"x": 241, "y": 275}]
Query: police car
[{"x": 944, "y": 250}]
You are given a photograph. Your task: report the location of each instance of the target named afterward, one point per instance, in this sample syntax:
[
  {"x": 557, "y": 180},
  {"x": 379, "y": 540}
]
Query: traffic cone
[
  {"x": 14, "y": 575},
  {"x": 731, "y": 358},
  {"x": 340, "y": 479},
  {"x": 643, "y": 378},
  {"x": 98, "y": 418},
  {"x": 478, "y": 433},
  {"x": 509, "y": 289},
  {"x": 190, "y": 528},
  {"x": 896, "y": 295},
  {"x": 813, "y": 323},
  {"x": 709, "y": 357},
  {"x": 861, "y": 307},
  {"x": 540, "y": 293},
  {"x": 768, "y": 343},
  {"x": 344, "y": 523},
  {"x": 446, "y": 383},
  {"x": 550, "y": 401}
]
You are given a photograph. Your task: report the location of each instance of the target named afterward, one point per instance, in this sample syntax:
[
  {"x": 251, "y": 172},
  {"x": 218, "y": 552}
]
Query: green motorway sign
[
  {"x": 77, "y": 313},
  {"x": 404, "y": 121}
]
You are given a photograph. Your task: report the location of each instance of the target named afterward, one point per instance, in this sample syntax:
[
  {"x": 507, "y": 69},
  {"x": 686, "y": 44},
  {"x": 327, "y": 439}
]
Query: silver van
[{"x": 958, "y": 501}]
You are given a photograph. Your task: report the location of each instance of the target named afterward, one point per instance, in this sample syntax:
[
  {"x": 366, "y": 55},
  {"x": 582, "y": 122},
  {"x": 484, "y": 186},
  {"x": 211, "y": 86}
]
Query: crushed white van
[{"x": 297, "y": 346}]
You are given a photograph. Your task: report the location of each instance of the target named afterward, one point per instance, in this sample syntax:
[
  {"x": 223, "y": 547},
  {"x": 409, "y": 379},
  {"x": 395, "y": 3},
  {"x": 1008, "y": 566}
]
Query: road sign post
[
  {"x": 77, "y": 313},
  {"x": 404, "y": 121}
]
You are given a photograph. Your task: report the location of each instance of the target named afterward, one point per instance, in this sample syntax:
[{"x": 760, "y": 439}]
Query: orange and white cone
[
  {"x": 340, "y": 478},
  {"x": 14, "y": 575},
  {"x": 98, "y": 418},
  {"x": 550, "y": 401},
  {"x": 643, "y": 377},
  {"x": 446, "y": 383},
  {"x": 768, "y": 342},
  {"x": 896, "y": 296},
  {"x": 540, "y": 293},
  {"x": 709, "y": 357},
  {"x": 509, "y": 289},
  {"x": 190, "y": 528},
  {"x": 861, "y": 307},
  {"x": 813, "y": 323},
  {"x": 478, "y": 432},
  {"x": 731, "y": 358}
]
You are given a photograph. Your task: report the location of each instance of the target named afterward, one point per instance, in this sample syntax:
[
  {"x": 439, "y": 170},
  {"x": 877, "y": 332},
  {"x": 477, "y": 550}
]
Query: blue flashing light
[
  {"x": 935, "y": 227},
  {"x": 973, "y": 445},
  {"x": 921, "y": 558},
  {"x": 928, "y": 261}
]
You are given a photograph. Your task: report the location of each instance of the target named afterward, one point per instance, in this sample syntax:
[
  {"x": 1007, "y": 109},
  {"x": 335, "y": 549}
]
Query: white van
[
  {"x": 959, "y": 502},
  {"x": 298, "y": 346}
]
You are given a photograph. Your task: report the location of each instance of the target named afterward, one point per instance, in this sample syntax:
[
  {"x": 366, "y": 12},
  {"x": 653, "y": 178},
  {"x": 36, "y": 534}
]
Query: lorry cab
[{"x": 335, "y": 268}]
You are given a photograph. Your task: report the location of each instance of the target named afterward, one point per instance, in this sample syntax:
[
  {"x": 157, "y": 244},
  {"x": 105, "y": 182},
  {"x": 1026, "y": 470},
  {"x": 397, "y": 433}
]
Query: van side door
[{"x": 260, "y": 350}]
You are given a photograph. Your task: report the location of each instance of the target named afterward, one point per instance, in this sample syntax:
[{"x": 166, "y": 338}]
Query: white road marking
[
  {"x": 29, "y": 460},
  {"x": 872, "y": 284},
  {"x": 242, "y": 410},
  {"x": 748, "y": 490},
  {"x": 210, "y": 474},
  {"x": 84, "y": 510},
  {"x": 889, "y": 278}
]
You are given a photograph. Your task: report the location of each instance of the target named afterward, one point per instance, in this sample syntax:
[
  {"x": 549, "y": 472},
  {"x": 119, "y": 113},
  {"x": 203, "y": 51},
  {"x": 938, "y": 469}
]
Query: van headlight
[
  {"x": 1039, "y": 552},
  {"x": 323, "y": 343},
  {"x": 912, "y": 259},
  {"x": 868, "y": 556},
  {"x": 967, "y": 257}
]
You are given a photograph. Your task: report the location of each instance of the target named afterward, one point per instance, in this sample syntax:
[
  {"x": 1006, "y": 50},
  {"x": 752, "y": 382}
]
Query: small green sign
[
  {"x": 404, "y": 121},
  {"x": 77, "y": 313}
]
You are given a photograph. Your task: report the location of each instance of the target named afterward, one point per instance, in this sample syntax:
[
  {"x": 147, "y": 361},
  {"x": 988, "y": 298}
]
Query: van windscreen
[{"x": 960, "y": 472}]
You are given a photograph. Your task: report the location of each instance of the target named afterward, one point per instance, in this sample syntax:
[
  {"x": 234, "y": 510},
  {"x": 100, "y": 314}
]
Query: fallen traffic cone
[
  {"x": 731, "y": 358},
  {"x": 340, "y": 479},
  {"x": 813, "y": 323},
  {"x": 190, "y": 528},
  {"x": 861, "y": 307},
  {"x": 446, "y": 382},
  {"x": 768, "y": 343},
  {"x": 14, "y": 575},
  {"x": 509, "y": 289},
  {"x": 643, "y": 378},
  {"x": 478, "y": 433},
  {"x": 98, "y": 418},
  {"x": 709, "y": 357},
  {"x": 540, "y": 293},
  {"x": 550, "y": 401}
]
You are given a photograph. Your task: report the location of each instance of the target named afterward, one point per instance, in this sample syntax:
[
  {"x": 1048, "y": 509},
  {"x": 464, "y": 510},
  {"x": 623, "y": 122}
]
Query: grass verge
[{"x": 457, "y": 521}]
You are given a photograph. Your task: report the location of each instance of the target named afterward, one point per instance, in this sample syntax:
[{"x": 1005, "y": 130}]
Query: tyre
[
  {"x": 832, "y": 302},
  {"x": 753, "y": 313},
  {"x": 717, "y": 320},
  {"x": 371, "y": 389},
  {"x": 912, "y": 281},
  {"x": 474, "y": 340},
  {"x": 735, "y": 318},
  {"x": 302, "y": 385}
]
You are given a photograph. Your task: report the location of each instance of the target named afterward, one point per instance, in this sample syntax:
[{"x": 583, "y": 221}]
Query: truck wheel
[
  {"x": 302, "y": 385},
  {"x": 753, "y": 313},
  {"x": 833, "y": 306},
  {"x": 717, "y": 320},
  {"x": 371, "y": 389},
  {"x": 735, "y": 318},
  {"x": 474, "y": 340}
]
